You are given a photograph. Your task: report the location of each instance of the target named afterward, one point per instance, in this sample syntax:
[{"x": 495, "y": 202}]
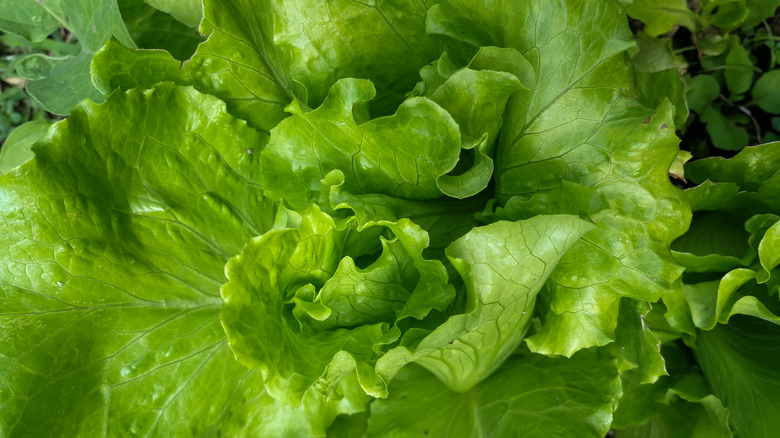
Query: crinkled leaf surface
[
  {"x": 578, "y": 122},
  {"x": 476, "y": 100},
  {"x": 529, "y": 395},
  {"x": 401, "y": 155},
  {"x": 384, "y": 41},
  {"x": 299, "y": 308},
  {"x": 257, "y": 55},
  {"x": 504, "y": 265},
  {"x": 112, "y": 246},
  {"x": 636, "y": 347},
  {"x": 238, "y": 63}
]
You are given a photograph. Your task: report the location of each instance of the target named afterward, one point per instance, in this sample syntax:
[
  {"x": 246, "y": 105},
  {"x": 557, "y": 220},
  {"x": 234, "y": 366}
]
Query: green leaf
[
  {"x": 444, "y": 219},
  {"x": 724, "y": 133},
  {"x": 530, "y": 394},
  {"x": 110, "y": 314},
  {"x": 739, "y": 70},
  {"x": 769, "y": 248},
  {"x": 664, "y": 85},
  {"x": 92, "y": 23},
  {"x": 655, "y": 54},
  {"x": 701, "y": 91},
  {"x": 578, "y": 123},
  {"x": 699, "y": 252},
  {"x": 118, "y": 67},
  {"x": 740, "y": 362},
  {"x": 504, "y": 265},
  {"x": 660, "y": 16},
  {"x": 27, "y": 19},
  {"x": 16, "y": 148},
  {"x": 67, "y": 84},
  {"x": 683, "y": 409},
  {"x": 476, "y": 100},
  {"x": 636, "y": 347},
  {"x": 677, "y": 169},
  {"x": 298, "y": 308},
  {"x": 712, "y": 196},
  {"x": 189, "y": 12},
  {"x": 36, "y": 66},
  {"x": 569, "y": 198},
  {"x": 724, "y": 14},
  {"x": 749, "y": 169},
  {"x": 760, "y": 10},
  {"x": 153, "y": 29},
  {"x": 323, "y": 42},
  {"x": 238, "y": 63},
  {"x": 401, "y": 155},
  {"x": 765, "y": 92}
]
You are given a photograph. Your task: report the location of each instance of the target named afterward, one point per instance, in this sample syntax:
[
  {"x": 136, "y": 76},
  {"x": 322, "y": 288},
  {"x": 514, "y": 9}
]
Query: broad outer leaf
[
  {"x": 504, "y": 265},
  {"x": 529, "y": 395},
  {"x": 112, "y": 247}
]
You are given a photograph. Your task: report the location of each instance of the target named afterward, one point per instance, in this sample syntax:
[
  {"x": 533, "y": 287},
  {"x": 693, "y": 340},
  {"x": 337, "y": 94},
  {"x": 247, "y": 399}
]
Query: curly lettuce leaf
[
  {"x": 110, "y": 268},
  {"x": 503, "y": 265},
  {"x": 239, "y": 63},
  {"x": 258, "y": 56},
  {"x": 299, "y": 308},
  {"x": 322, "y": 42},
  {"x": 476, "y": 100},
  {"x": 401, "y": 155}
]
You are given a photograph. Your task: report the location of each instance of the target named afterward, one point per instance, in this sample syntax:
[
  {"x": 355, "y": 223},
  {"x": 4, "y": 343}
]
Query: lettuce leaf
[
  {"x": 529, "y": 394},
  {"x": 379, "y": 219},
  {"x": 112, "y": 250}
]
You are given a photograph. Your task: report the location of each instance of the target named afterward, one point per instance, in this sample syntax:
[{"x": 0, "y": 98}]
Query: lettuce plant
[{"x": 437, "y": 218}]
